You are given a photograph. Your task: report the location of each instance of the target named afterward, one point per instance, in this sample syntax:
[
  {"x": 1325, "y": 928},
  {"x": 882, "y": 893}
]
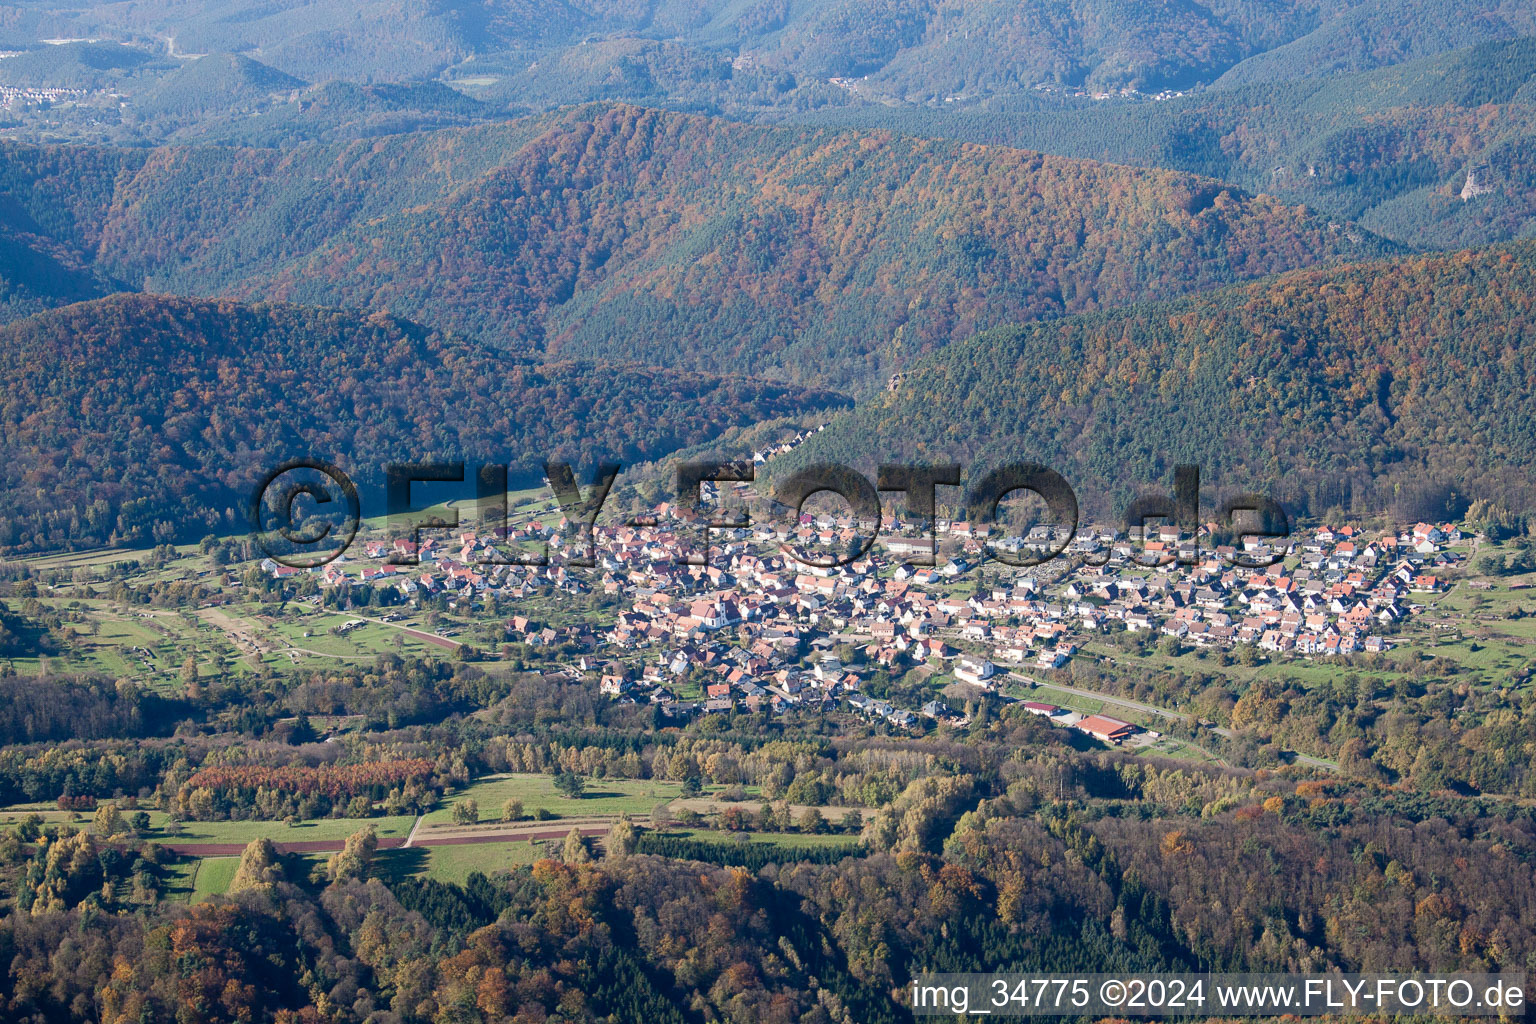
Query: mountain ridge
[
  {"x": 840, "y": 256},
  {"x": 1388, "y": 148}
]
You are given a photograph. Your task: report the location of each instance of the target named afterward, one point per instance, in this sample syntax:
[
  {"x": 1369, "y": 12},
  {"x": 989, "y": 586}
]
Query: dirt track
[
  {"x": 240, "y": 633},
  {"x": 456, "y": 838},
  {"x": 586, "y": 830},
  {"x": 299, "y": 846}
]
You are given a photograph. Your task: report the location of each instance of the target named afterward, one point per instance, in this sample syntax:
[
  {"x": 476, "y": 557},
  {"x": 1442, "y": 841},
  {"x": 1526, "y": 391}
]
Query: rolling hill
[
  {"x": 75, "y": 65},
  {"x": 909, "y": 49},
  {"x": 616, "y": 232},
  {"x": 248, "y": 116},
  {"x": 136, "y": 418},
  {"x": 1391, "y": 148},
  {"x": 1380, "y": 33},
  {"x": 1400, "y": 383},
  {"x": 220, "y": 83}
]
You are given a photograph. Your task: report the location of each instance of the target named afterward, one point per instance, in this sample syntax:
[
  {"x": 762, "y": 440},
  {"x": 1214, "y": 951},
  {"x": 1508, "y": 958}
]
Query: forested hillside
[
  {"x": 80, "y": 65},
  {"x": 134, "y": 418},
  {"x": 1390, "y": 148},
  {"x": 1380, "y": 33},
  {"x": 933, "y": 49},
  {"x": 1381, "y": 384},
  {"x": 231, "y": 100},
  {"x": 38, "y": 273},
  {"x": 616, "y": 232},
  {"x": 977, "y": 859},
  {"x": 218, "y": 83}
]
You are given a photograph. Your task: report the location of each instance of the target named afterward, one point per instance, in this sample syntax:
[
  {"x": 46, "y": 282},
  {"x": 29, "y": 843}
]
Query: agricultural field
[
  {"x": 49, "y": 814},
  {"x": 317, "y": 830},
  {"x": 602, "y": 797},
  {"x": 242, "y": 832},
  {"x": 152, "y": 646}
]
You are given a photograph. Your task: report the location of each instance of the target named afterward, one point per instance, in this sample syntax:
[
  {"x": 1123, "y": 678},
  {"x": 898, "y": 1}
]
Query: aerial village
[{"x": 757, "y": 629}]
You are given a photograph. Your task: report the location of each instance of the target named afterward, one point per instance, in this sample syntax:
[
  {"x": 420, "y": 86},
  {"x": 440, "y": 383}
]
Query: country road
[
  {"x": 1151, "y": 709},
  {"x": 542, "y": 831},
  {"x": 1134, "y": 705}
]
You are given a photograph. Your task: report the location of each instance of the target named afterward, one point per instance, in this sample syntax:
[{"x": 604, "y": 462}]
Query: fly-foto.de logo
[{"x": 294, "y": 538}]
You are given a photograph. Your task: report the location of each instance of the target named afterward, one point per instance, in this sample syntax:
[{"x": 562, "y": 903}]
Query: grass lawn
[
  {"x": 1524, "y": 629},
  {"x": 1311, "y": 672},
  {"x": 689, "y": 691},
  {"x": 304, "y": 831},
  {"x": 454, "y": 863},
  {"x": 213, "y": 877},
  {"x": 1308, "y": 672},
  {"x": 603, "y": 796},
  {"x": 50, "y": 814},
  {"x": 1493, "y": 661},
  {"x": 1175, "y": 749},
  {"x": 363, "y": 642},
  {"x": 179, "y": 875},
  {"x": 1048, "y": 694}
]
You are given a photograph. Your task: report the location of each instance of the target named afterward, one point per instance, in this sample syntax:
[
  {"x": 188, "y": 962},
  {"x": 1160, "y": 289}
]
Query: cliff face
[{"x": 1474, "y": 187}]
